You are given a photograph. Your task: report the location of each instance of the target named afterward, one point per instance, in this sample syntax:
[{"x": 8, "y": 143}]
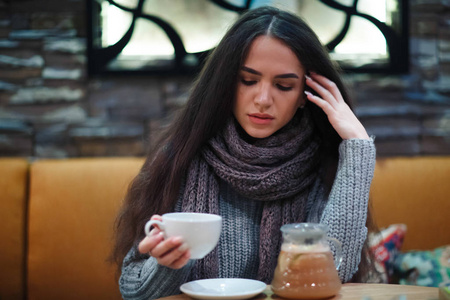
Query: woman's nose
[{"x": 263, "y": 97}]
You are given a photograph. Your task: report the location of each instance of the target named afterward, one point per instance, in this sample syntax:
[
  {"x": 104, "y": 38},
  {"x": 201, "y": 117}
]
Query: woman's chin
[{"x": 259, "y": 134}]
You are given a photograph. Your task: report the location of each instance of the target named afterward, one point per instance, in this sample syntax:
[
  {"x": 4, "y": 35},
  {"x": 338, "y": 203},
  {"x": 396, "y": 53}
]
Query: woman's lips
[{"x": 260, "y": 119}]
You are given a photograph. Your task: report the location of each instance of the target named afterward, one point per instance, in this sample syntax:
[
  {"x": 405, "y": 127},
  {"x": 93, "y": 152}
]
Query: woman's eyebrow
[
  {"x": 287, "y": 75},
  {"x": 252, "y": 71}
]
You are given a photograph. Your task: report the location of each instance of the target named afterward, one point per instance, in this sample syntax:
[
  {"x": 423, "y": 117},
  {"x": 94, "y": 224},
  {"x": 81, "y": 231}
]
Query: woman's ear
[{"x": 302, "y": 101}]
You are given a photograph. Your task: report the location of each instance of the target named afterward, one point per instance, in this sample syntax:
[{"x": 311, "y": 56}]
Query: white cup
[{"x": 200, "y": 231}]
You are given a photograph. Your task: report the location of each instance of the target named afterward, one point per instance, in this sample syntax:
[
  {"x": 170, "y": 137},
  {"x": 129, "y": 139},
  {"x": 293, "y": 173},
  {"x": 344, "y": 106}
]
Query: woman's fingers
[
  {"x": 325, "y": 94},
  {"x": 166, "y": 246},
  {"x": 176, "y": 256},
  {"x": 325, "y": 88},
  {"x": 151, "y": 241},
  {"x": 182, "y": 261},
  {"x": 339, "y": 114},
  {"x": 172, "y": 252},
  {"x": 328, "y": 85},
  {"x": 156, "y": 217},
  {"x": 324, "y": 105}
]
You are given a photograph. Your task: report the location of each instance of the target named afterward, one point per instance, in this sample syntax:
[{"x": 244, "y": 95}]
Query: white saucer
[{"x": 223, "y": 288}]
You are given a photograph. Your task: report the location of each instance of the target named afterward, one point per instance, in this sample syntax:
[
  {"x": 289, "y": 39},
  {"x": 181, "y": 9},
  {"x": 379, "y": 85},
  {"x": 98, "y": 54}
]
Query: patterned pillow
[
  {"x": 386, "y": 246},
  {"x": 425, "y": 268}
]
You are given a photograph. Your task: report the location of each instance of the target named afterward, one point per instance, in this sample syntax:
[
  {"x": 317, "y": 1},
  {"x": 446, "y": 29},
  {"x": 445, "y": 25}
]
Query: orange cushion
[
  {"x": 73, "y": 205},
  {"x": 13, "y": 187},
  {"x": 414, "y": 191}
]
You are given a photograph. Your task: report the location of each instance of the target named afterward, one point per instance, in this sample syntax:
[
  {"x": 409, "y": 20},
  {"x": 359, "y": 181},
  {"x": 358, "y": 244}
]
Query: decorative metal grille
[{"x": 106, "y": 56}]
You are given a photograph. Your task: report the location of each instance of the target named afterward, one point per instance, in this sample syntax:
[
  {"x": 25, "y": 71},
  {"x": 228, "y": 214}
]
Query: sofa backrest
[
  {"x": 73, "y": 205},
  {"x": 414, "y": 191},
  {"x": 13, "y": 204}
]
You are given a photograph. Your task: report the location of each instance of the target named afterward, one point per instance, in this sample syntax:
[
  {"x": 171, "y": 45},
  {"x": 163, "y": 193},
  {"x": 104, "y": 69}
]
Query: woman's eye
[
  {"x": 283, "y": 88},
  {"x": 248, "y": 82}
]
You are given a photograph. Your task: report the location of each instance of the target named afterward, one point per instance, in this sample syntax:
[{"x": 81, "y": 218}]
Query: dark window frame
[{"x": 98, "y": 58}]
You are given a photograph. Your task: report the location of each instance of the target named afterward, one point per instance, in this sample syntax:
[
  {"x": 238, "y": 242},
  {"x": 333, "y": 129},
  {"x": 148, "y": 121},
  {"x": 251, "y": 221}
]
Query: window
[{"x": 162, "y": 36}]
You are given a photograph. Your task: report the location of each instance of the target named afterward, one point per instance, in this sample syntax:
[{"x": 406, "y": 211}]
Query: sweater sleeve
[
  {"x": 146, "y": 279},
  {"x": 345, "y": 212}
]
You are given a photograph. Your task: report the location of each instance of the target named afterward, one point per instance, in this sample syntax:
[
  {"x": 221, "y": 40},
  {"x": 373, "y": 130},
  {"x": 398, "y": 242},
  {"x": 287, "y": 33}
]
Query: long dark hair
[{"x": 156, "y": 188}]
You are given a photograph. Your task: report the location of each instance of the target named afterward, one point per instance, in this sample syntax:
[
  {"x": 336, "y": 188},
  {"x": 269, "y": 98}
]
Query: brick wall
[{"x": 49, "y": 108}]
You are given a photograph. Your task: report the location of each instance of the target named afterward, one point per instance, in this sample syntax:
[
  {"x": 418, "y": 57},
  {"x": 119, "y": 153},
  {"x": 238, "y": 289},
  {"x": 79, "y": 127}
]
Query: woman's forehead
[{"x": 267, "y": 51}]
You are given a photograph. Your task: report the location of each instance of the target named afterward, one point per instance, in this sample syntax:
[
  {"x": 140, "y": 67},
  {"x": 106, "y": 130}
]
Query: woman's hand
[
  {"x": 172, "y": 252},
  {"x": 331, "y": 102}
]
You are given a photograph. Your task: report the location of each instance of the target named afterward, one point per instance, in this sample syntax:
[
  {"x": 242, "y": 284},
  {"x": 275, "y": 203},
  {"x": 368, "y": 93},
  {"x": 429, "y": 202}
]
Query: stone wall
[{"x": 50, "y": 108}]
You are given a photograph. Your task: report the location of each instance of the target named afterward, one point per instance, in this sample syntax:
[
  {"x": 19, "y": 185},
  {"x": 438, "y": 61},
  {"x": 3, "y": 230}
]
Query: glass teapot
[{"x": 306, "y": 268}]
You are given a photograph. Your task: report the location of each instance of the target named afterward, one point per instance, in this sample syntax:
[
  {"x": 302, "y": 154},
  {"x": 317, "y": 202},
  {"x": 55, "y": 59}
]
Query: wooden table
[{"x": 360, "y": 291}]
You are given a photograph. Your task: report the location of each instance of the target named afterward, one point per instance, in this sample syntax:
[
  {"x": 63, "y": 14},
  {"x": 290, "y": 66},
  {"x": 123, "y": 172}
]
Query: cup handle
[
  {"x": 150, "y": 223},
  {"x": 338, "y": 255}
]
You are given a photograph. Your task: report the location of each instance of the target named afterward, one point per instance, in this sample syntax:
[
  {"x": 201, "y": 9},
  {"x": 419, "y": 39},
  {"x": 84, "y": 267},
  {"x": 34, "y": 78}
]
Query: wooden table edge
[{"x": 358, "y": 291}]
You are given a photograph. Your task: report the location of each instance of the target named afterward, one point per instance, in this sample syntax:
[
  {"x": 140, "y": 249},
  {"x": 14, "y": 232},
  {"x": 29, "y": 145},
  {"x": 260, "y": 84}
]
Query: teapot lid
[{"x": 305, "y": 233}]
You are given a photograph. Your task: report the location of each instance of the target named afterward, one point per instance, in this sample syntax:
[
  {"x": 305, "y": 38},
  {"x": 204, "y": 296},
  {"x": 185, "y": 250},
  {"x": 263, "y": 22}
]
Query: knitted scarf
[{"x": 278, "y": 170}]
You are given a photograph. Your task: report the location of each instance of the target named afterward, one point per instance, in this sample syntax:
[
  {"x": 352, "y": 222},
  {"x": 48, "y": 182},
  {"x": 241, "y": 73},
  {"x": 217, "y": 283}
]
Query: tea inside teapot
[{"x": 306, "y": 268}]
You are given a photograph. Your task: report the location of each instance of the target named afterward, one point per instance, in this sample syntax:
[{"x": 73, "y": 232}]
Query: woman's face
[{"x": 270, "y": 87}]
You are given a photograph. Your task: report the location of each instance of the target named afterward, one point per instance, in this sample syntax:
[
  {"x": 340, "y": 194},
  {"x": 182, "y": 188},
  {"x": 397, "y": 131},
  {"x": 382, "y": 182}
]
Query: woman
[{"x": 267, "y": 138}]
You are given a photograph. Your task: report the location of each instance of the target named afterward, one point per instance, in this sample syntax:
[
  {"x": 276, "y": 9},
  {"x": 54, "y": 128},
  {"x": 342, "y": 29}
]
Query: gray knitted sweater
[{"x": 345, "y": 213}]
